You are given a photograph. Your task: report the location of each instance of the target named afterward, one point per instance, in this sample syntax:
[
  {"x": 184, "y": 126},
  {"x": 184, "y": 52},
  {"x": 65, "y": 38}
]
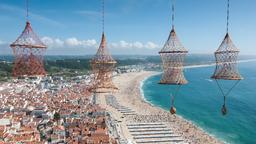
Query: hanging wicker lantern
[
  {"x": 226, "y": 61},
  {"x": 28, "y": 51},
  {"x": 103, "y": 66},
  {"x": 173, "y": 55},
  {"x": 226, "y": 64}
]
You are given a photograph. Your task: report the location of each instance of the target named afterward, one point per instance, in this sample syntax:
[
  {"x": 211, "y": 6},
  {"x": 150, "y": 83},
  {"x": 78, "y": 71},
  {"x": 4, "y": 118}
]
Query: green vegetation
[
  {"x": 70, "y": 66},
  {"x": 5, "y": 71},
  {"x": 65, "y": 67},
  {"x": 56, "y": 116}
]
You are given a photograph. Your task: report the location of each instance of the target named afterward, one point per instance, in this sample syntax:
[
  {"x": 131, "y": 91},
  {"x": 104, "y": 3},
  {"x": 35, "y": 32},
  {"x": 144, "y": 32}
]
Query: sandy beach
[{"x": 129, "y": 96}]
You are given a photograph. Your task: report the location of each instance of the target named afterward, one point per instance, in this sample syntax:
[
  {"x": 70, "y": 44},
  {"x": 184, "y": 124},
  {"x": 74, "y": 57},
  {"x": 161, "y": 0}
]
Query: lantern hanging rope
[
  {"x": 173, "y": 54},
  {"x": 173, "y": 109},
  {"x": 226, "y": 63},
  {"x": 27, "y": 11}
]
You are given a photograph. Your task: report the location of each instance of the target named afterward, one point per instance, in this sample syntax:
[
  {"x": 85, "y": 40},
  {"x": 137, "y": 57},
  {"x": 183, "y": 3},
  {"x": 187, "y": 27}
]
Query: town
[{"x": 54, "y": 110}]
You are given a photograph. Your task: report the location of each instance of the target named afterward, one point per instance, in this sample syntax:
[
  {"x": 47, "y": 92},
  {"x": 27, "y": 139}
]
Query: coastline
[
  {"x": 131, "y": 95},
  {"x": 189, "y": 121},
  {"x": 214, "y": 64},
  {"x": 141, "y": 89}
]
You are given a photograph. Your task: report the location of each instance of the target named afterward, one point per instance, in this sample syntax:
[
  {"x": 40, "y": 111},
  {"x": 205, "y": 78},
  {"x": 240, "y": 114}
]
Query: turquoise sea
[{"x": 200, "y": 101}]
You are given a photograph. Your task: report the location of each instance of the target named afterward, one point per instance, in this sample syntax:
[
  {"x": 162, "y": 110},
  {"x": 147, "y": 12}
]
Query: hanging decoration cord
[
  {"x": 222, "y": 91},
  {"x": 173, "y": 10},
  {"x": 27, "y": 10},
  {"x": 227, "y": 15},
  {"x": 175, "y": 94},
  {"x": 103, "y": 16},
  {"x": 176, "y": 91}
]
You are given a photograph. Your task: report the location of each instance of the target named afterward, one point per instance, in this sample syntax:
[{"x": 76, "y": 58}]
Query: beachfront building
[{"x": 31, "y": 114}]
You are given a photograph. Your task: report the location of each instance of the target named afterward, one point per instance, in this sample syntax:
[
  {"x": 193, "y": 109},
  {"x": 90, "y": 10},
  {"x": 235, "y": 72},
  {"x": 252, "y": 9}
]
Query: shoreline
[
  {"x": 214, "y": 64},
  {"x": 131, "y": 95},
  {"x": 141, "y": 89},
  {"x": 154, "y": 105}
]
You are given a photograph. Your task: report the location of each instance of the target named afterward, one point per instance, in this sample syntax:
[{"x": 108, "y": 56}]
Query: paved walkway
[{"x": 138, "y": 132}]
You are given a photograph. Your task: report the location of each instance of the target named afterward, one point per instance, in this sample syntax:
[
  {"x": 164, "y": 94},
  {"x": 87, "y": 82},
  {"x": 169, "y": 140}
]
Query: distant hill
[{"x": 69, "y": 65}]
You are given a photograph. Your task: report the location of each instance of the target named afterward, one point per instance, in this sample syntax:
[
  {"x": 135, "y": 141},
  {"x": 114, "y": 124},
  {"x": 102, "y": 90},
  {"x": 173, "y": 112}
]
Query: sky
[{"x": 141, "y": 27}]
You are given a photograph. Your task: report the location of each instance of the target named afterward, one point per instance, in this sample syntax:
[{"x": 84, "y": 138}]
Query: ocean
[{"x": 200, "y": 101}]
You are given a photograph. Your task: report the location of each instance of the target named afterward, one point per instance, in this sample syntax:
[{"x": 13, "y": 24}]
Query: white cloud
[
  {"x": 92, "y": 43},
  {"x": 138, "y": 45},
  {"x": 151, "y": 45},
  {"x": 124, "y": 44},
  {"x": 69, "y": 43},
  {"x": 133, "y": 45},
  {"x": 74, "y": 42},
  {"x": 75, "y": 46},
  {"x": 50, "y": 42}
]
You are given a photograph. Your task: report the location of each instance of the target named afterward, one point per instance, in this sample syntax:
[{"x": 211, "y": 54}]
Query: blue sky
[{"x": 132, "y": 26}]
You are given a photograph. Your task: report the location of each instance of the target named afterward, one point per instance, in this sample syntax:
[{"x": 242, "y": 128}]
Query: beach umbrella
[
  {"x": 226, "y": 64},
  {"x": 103, "y": 65},
  {"x": 28, "y": 51},
  {"x": 173, "y": 54}
]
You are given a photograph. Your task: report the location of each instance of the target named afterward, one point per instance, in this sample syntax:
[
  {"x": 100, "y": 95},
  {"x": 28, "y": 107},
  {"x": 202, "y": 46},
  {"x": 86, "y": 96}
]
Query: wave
[
  {"x": 210, "y": 80},
  {"x": 213, "y": 64},
  {"x": 199, "y": 66},
  {"x": 141, "y": 88},
  {"x": 248, "y": 60},
  {"x": 194, "y": 123},
  {"x": 186, "y": 67}
]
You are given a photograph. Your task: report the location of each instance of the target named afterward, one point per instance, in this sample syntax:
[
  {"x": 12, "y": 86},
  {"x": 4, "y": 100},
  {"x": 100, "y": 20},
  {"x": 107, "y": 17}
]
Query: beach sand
[{"x": 129, "y": 95}]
